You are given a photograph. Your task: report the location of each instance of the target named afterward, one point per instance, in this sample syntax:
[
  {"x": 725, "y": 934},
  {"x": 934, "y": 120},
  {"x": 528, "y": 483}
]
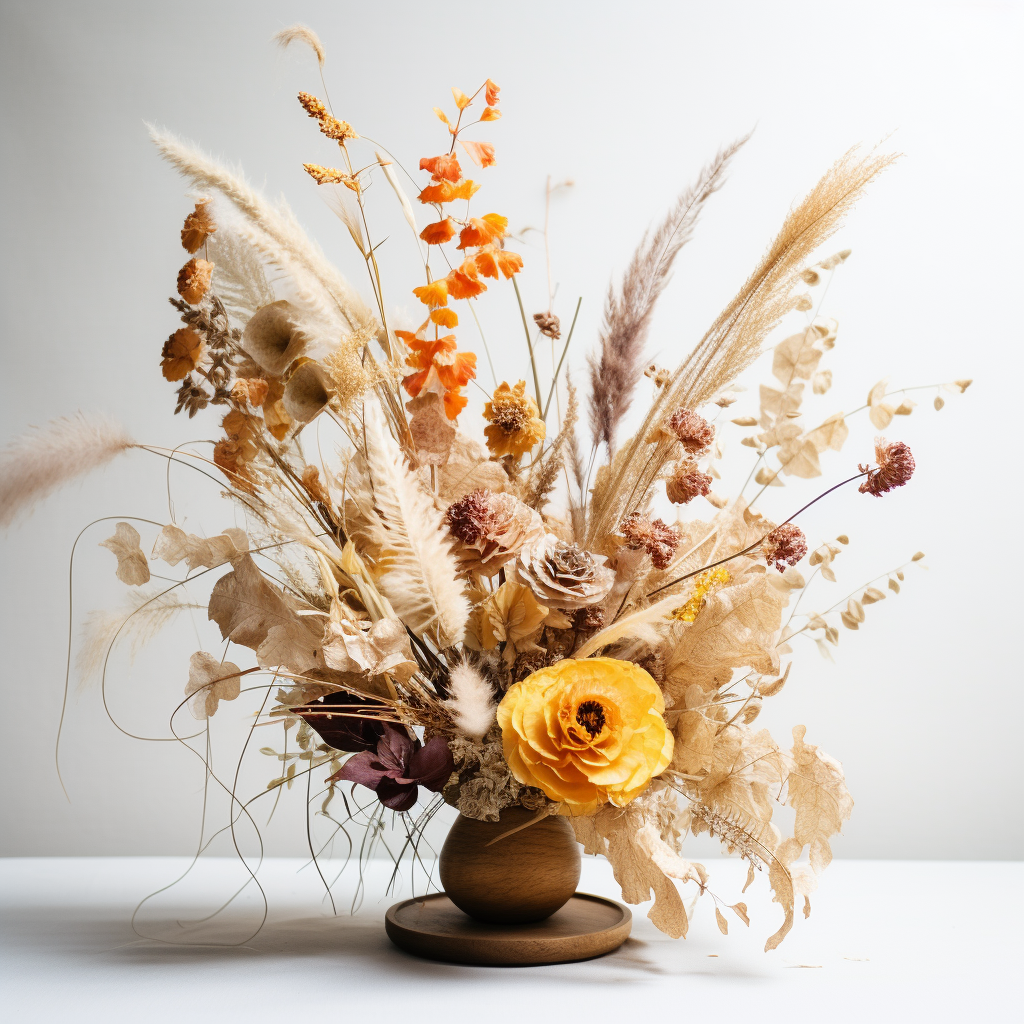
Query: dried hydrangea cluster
[{"x": 443, "y": 599}]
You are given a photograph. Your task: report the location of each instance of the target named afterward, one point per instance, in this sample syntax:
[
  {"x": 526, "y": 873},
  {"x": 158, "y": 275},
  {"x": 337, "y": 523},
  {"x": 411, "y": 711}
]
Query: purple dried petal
[
  {"x": 396, "y": 795},
  {"x": 362, "y": 768},
  {"x": 432, "y": 764}
]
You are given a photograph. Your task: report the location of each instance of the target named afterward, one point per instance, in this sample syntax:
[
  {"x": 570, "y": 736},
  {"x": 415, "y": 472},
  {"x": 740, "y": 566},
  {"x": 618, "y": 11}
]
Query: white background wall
[{"x": 923, "y": 707}]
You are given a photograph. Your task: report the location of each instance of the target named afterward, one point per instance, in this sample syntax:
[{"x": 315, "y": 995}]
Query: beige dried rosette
[
  {"x": 563, "y": 575},
  {"x": 586, "y": 732},
  {"x": 490, "y": 529}
]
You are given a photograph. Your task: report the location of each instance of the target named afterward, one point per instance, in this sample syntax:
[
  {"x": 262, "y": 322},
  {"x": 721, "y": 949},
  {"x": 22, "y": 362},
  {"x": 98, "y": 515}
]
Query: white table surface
[{"x": 886, "y": 941}]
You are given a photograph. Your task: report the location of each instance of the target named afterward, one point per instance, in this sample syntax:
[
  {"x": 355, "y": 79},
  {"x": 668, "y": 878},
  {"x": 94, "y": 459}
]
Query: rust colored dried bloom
[
  {"x": 250, "y": 391},
  {"x": 784, "y": 546},
  {"x": 655, "y": 537},
  {"x": 694, "y": 432},
  {"x": 548, "y": 324},
  {"x": 491, "y": 528},
  {"x": 194, "y": 280},
  {"x": 198, "y": 227},
  {"x": 231, "y": 457},
  {"x": 895, "y": 468},
  {"x": 687, "y": 484},
  {"x": 181, "y": 354},
  {"x": 515, "y": 423}
]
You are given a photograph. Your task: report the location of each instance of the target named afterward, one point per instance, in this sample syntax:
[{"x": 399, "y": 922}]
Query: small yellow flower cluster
[{"x": 707, "y": 583}]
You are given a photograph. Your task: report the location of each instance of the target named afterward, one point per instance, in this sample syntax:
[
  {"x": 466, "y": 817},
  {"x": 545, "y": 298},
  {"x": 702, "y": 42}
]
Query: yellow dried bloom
[
  {"x": 331, "y": 176},
  {"x": 312, "y": 105},
  {"x": 706, "y": 584},
  {"x": 586, "y": 732},
  {"x": 515, "y": 423},
  {"x": 340, "y": 131}
]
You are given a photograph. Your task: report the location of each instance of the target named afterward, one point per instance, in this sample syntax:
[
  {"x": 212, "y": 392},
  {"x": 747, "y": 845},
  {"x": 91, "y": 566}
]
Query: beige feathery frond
[
  {"x": 277, "y": 223},
  {"x": 637, "y": 624},
  {"x": 40, "y": 461},
  {"x": 543, "y": 478},
  {"x": 242, "y": 283},
  {"x": 419, "y": 573},
  {"x": 134, "y": 624},
  {"x": 301, "y": 34},
  {"x": 470, "y": 701},
  {"x": 736, "y": 337}
]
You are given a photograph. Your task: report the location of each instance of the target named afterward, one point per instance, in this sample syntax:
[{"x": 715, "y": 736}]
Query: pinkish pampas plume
[
  {"x": 471, "y": 701},
  {"x": 46, "y": 458}
]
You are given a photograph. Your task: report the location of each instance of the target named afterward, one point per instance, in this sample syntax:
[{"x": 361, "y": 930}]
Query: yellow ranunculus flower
[{"x": 586, "y": 732}]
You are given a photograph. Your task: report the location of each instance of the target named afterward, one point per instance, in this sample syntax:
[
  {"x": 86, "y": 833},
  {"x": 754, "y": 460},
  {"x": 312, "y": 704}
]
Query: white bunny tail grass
[
  {"x": 470, "y": 702},
  {"x": 45, "y": 458}
]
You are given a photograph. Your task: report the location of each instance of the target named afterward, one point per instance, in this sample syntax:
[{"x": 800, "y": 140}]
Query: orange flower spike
[
  {"x": 439, "y": 232},
  {"x": 490, "y": 114},
  {"x": 444, "y": 317},
  {"x": 462, "y": 286},
  {"x": 481, "y": 153},
  {"x": 491, "y": 93},
  {"x": 461, "y": 99},
  {"x": 454, "y": 403},
  {"x": 442, "y": 168},
  {"x": 434, "y": 294}
]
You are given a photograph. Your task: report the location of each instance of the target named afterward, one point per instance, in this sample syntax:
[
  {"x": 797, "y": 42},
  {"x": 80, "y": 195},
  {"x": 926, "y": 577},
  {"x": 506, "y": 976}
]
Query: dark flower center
[{"x": 590, "y": 715}]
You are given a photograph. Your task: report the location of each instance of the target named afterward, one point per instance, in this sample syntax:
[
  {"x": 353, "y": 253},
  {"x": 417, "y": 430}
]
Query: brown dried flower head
[
  {"x": 312, "y": 105},
  {"x": 491, "y": 528},
  {"x": 331, "y": 176},
  {"x": 181, "y": 354},
  {"x": 515, "y": 423},
  {"x": 563, "y": 575},
  {"x": 895, "y": 468},
  {"x": 548, "y": 324},
  {"x": 694, "y": 432},
  {"x": 198, "y": 227},
  {"x": 784, "y": 546},
  {"x": 194, "y": 280},
  {"x": 250, "y": 391},
  {"x": 655, "y": 537},
  {"x": 687, "y": 483},
  {"x": 232, "y": 459}
]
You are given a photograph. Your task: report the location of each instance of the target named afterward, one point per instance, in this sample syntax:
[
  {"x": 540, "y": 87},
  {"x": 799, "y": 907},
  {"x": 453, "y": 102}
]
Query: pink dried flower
[
  {"x": 657, "y": 538},
  {"x": 895, "y": 468},
  {"x": 694, "y": 432},
  {"x": 785, "y": 545},
  {"x": 490, "y": 528},
  {"x": 687, "y": 484}
]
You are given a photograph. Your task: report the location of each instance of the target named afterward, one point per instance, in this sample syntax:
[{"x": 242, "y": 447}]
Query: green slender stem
[
  {"x": 487, "y": 350},
  {"x": 558, "y": 369},
  {"x": 529, "y": 344}
]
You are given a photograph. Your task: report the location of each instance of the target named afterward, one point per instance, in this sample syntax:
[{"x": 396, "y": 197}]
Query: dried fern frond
[
  {"x": 301, "y": 34},
  {"x": 136, "y": 624},
  {"x": 45, "y": 458},
  {"x": 735, "y": 339},
  {"x": 627, "y": 316},
  {"x": 418, "y": 572}
]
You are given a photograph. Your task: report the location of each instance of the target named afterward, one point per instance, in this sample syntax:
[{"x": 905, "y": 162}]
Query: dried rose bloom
[
  {"x": 491, "y": 528},
  {"x": 784, "y": 546},
  {"x": 694, "y": 432},
  {"x": 687, "y": 483},
  {"x": 194, "y": 280},
  {"x": 548, "y": 324},
  {"x": 181, "y": 354},
  {"x": 515, "y": 423},
  {"x": 895, "y": 468},
  {"x": 655, "y": 537},
  {"x": 563, "y": 575},
  {"x": 198, "y": 227}
]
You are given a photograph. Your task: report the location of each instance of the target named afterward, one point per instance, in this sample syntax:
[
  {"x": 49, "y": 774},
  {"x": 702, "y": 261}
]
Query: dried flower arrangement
[{"x": 507, "y": 622}]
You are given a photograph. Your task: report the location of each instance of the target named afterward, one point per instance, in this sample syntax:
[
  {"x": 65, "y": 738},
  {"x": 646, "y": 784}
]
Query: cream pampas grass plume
[
  {"x": 470, "y": 702},
  {"x": 45, "y": 458},
  {"x": 302, "y": 34}
]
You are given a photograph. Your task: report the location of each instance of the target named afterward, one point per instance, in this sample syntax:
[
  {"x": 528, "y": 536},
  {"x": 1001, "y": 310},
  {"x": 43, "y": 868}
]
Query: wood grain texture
[
  {"x": 519, "y": 878},
  {"x": 433, "y": 927}
]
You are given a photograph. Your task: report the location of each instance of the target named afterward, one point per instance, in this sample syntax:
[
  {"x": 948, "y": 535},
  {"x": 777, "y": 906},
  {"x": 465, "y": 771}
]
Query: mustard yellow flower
[{"x": 515, "y": 423}]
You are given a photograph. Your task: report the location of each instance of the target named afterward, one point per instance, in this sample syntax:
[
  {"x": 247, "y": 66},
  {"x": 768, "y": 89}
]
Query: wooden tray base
[{"x": 434, "y": 928}]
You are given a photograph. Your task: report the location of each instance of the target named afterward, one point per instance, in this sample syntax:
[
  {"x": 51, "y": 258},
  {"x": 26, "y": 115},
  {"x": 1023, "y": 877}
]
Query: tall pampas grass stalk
[
  {"x": 44, "y": 459},
  {"x": 615, "y": 371},
  {"x": 470, "y": 701}
]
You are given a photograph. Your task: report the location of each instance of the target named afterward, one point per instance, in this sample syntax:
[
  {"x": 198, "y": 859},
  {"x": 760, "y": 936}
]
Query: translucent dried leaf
[
  {"x": 801, "y": 460},
  {"x": 830, "y": 434},
  {"x": 797, "y": 356},
  {"x": 745, "y": 421},
  {"x": 723, "y": 925},
  {"x": 939, "y": 402},
  {"x": 740, "y": 910},
  {"x": 894, "y": 586},
  {"x": 821, "y": 382},
  {"x": 132, "y": 567},
  {"x": 210, "y": 681},
  {"x": 776, "y": 404}
]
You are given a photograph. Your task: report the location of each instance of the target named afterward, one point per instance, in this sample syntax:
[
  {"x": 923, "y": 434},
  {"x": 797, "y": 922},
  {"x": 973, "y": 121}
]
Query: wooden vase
[{"x": 522, "y": 877}]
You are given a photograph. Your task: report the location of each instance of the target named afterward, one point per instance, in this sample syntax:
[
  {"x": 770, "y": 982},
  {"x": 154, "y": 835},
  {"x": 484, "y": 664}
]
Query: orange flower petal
[
  {"x": 481, "y": 153},
  {"x": 461, "y": 99},
  {"x": 468, "y": 267},
  {"x": 509, "y": 262},
  {"x": 499, "y": 224},
  {"x": 415, "y": 381},
  {"x": 482, "y": 230},
  {"x": 460, "y": 372},
  {"x": 444, "y": 317},
  {"x": 461, "y": 286},
  {"x": 433, "y": 294},
  {"x": 486, "y": 262},
  {"x": 442, "y": 116},
  {"x": 491, "y": 93},
  {"x": 454, "y": 403},
  {"x": 439, "y": 232},
  {"x": 490, "y": 114},
  {"x": 445, "y": 192},
  {"x": 443, "y": 168},
  {"x": 407, "y": 336}
]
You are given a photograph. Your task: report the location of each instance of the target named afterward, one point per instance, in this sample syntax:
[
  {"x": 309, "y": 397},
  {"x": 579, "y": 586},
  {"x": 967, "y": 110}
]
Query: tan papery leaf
[
  {"x": 132, "y": 567},
  {"x": 800, "y": 460},
  {"x": 740, "y": 910},
  {"x": 797, "y": 356},
  {"x": 831, "y": 434},
  {"x": 211, "y": 681},
  {"x": 723, "y": 925},
  {"x": 174, "y": 544},
  {"x": 821, "y": 382},
  {"x": 776, "y": 404},
  {"x": 432, "y": 431},
  {"x": 469, "y": 469}
]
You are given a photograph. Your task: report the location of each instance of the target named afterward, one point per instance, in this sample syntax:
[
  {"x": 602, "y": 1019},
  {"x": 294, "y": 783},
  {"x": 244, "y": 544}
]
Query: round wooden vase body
[{"x": 522, "y": 877}]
